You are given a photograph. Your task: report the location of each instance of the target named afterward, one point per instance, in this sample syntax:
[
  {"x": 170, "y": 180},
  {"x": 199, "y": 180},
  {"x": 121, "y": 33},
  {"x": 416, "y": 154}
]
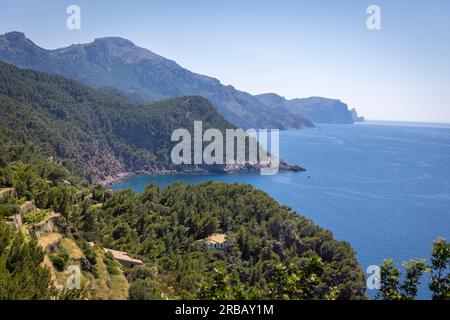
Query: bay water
[{"x": 382, "y": 186}]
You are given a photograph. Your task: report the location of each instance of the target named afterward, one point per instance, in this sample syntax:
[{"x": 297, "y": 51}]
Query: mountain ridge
[
  {"x": 118, "y": 63},
  {"x": 138, "y": 74}
]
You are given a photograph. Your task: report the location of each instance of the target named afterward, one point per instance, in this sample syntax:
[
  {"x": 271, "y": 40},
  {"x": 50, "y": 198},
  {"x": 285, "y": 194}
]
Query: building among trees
[
  {"x": 215, "y": 241},
  {"x": 124, "y": 259}
]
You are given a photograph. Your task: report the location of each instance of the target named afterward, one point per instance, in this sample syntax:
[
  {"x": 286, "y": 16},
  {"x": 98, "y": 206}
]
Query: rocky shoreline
[{"x": 228, "y": 169}]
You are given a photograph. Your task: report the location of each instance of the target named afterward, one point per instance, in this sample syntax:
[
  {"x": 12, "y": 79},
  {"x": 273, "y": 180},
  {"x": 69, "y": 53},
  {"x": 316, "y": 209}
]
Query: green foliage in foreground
[
  {"x": 440, "y": 270},
  {"x": 21, "y": 275},
  {"x": 393, "y": 288}
]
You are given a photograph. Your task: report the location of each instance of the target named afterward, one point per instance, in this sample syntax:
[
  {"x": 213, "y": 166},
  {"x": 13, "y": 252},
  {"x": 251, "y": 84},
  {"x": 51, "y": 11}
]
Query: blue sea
[{"x": 383, "y": 187}]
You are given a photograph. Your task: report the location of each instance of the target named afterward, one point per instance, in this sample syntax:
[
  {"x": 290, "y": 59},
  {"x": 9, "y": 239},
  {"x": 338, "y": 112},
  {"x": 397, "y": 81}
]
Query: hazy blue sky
[{"x": 293, "y": 48}]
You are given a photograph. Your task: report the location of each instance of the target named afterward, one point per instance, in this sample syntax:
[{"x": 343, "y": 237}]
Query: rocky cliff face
[
  {"x": 355, "y": 116},
  {"x": 117, "y": 63},
  {"x": 317, "y": 109}
]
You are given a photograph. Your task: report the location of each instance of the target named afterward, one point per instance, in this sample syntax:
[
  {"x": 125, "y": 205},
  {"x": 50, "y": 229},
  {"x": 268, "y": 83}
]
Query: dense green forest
[
  {"x": 91, "y": 133},
  {"x": 162, "y": 227}
]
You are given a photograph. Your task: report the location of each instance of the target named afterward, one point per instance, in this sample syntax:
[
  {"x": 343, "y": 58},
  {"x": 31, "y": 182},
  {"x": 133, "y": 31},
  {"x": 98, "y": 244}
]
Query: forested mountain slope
[{"x": 91, "y": 133}]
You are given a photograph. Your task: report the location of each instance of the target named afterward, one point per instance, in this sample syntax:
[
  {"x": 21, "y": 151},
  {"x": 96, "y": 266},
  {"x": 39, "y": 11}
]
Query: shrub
[
  {"x": 89, "y": 264},
  {"x": 60, "y": 259},
  {"x": 34, "y": 216},
  {"x": 9, "y": 206},
  {"x": 110, "y": 262},
  {"x": 7, "y": 210}
]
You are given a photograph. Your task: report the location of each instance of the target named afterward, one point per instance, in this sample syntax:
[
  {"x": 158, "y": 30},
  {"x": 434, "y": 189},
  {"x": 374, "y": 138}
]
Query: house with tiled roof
[
  {"x": 124, "y": 259},
  {"x": 215, "y": 241}
]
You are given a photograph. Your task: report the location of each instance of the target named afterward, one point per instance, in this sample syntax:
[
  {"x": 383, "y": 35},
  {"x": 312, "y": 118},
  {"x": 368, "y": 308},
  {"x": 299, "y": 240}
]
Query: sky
[{"x": 293, "y": 48}]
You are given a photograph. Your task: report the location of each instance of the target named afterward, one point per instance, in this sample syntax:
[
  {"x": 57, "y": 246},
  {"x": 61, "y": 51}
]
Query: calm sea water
[{"x": 383, "y": 187}]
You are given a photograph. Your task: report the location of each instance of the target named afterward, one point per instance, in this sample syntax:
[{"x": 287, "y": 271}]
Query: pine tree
[{"x": 22, "y": 277}]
